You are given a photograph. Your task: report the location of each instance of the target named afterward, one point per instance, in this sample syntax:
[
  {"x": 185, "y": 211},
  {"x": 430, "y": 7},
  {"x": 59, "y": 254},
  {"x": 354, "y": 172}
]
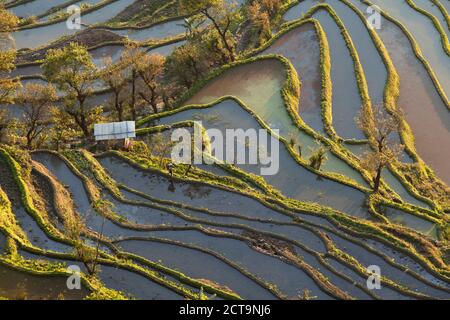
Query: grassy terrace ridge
[
  {"x": 345, "y": 261},
  {"x": 106, "y": 259},
  {"x": 417, "y": 52},
  {"x": 337, "y": 218},
  {"x": 391, "y": 94},
  {"x": 443, "y": 11},
  {"x": 215, "y": 74},
  {"x": 325, "y": 65},
  {"x": 144, "y": 163},
  {"x": 444, "y": 38},
  {"x": 38, "y": 24},
  {"x": 131, "y": 213},
  {"x": 150, "y": 44},
  {"x": 290, "y": 94},
  {"x": 297, "y": 219},
  {"x": 102, "y": 208}
]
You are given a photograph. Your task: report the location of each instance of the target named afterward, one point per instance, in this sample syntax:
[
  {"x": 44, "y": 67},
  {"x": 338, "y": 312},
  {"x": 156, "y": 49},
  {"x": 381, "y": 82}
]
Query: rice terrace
[{"x": 224, "y": 150}]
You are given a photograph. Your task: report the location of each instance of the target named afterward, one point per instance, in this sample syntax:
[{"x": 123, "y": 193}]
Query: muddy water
[
  {"x": 31, "y": 228},
  {"x": 32, "y": 38},
  {"x": 159, "y": 31},
  {"x": 36, "y": 7},
  {"x": 196, "y": 195},
  {"x": 110, "y": 51},
  {"x": 292, "y": 179},
  {"x": 371, "y": 61},
  {"x": 385, "y": 292},
  {"x": 57, "y": 167},
  {"x": 80, "y": 198},
  {"x": 424, "y": 110},
  {"x": 35, "y": 234},
  {"x": 307, "y": 257},
  {"x": 136, "y": 285},
  {"x": 115, "y": 51},
  {"x": 67, "y": 4},
  {"x": 288, "y": 279},
  {"x": 346, "y": 98},
  {"x": 407, "y": 261},
  {"x": 411, "y": 221},
  {"x": 198, "y": 265},
  {"x": 168, "y": 49},
  {"x": 446, "y": 5},
  {"x": 396, "y": 185},
  {"x": 367, "y": 259},
  {"x": 23, "y": 286},
  {"x": 296, "y": 233},
  {"x": 302, "y": 48},
  {"x": 258, "y": 84},
  {"x": 222, "y": 273},
  {"x": 144, "y": 215},
  {"x": 127, "y": 282},
  {"x": 26, "y": 71},
  {"x": 429, "y": 6},
  {"x": 426, "y": 35},
  {"x": 262, "y": 212}
]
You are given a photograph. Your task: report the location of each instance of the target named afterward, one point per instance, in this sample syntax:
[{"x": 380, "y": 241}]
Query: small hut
[{"x": 116, "y": 135}]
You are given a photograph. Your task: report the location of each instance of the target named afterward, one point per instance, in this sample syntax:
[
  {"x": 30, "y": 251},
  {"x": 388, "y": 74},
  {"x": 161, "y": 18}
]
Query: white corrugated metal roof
[{"x": 114, "y": 130}]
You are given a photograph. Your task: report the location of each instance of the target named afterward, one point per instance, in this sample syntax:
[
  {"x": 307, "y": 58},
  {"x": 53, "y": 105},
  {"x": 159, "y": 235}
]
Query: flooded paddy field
[
  {"x": 426, "y": 35},
  {"x": 41, "y": 35},
  {"x": 17, "y": 285},
  {"x": 424, "y": 109},
  {"x": 140, "y": 224},
  {"x": 291, "y": 174},
  {"x": 301, "y": 47},
  {"x": 262, "y": 96},
  {"x": 35, "y": 8}
]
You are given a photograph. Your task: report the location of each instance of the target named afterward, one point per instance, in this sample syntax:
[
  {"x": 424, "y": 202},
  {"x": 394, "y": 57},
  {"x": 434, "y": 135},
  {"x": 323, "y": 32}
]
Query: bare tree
[
  {"x": 73, "y": 71},
  {"x": 4, "y": 122},
  {"x": 222, "y": 14},
  {"x": 35, "y": 100},
  {"x": 87, "y": 255},
  {"x": 130, "y": 60},
  {"x": 379, "y": 125},
  {"x": 150, "y": 70},
  {"x": 115, "y": 79},
  {"x": 8, "y": 85}
]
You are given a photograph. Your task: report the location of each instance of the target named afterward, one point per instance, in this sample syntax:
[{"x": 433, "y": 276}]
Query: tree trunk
[
  {"x": 83, "y": 125},
  {"x": 133, "y": 95},
  {"x": 118, "y": 107},
  {"x": 223, "y": 35},
  {"x": 166, "y": 102},
  {"x": 377, "y": 180},
  {"x": 29, "y": 141}
]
